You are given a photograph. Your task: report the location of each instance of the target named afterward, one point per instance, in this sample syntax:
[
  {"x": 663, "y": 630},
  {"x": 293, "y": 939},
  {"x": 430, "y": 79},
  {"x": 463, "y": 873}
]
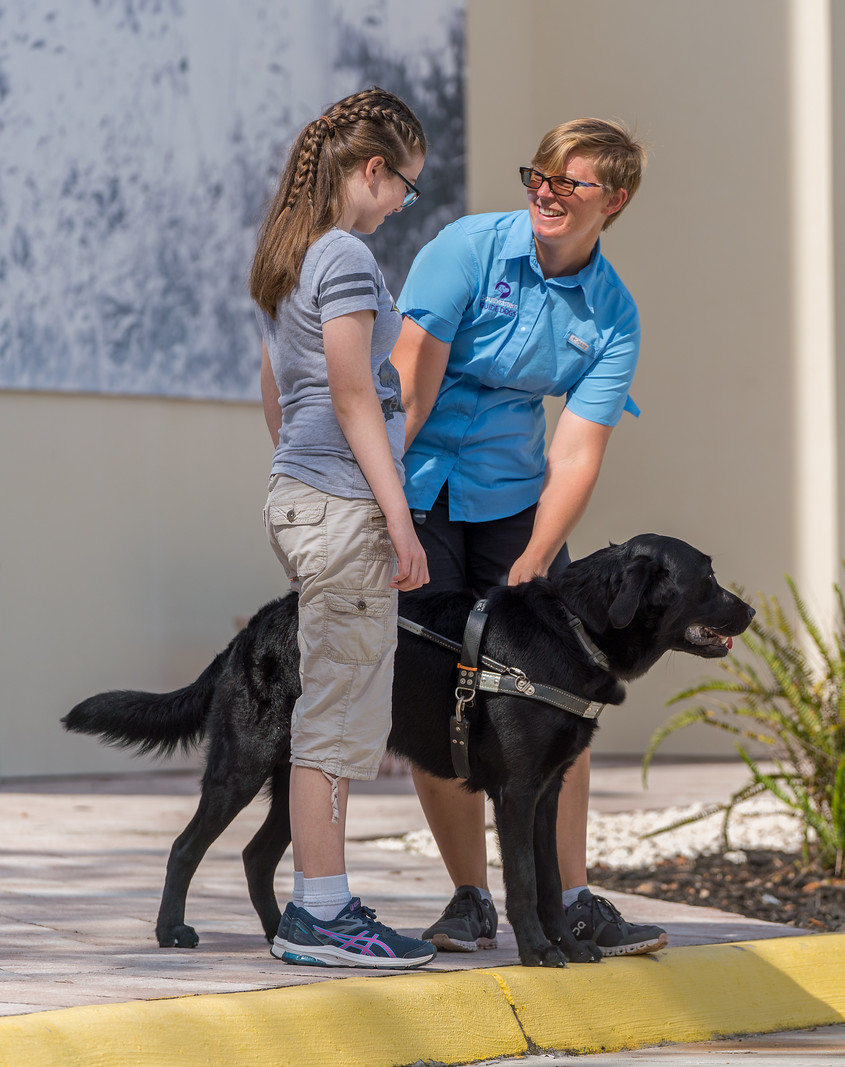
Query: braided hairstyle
[{"x": 310, "y": 197}]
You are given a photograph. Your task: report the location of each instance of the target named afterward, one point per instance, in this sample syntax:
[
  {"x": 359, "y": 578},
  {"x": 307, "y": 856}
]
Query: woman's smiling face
[{"x": 577, "y": 219}]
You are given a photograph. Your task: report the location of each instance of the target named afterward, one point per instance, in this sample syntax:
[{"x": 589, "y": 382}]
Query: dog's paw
[
  {"x": 178, "y": 937},
  {"x": 548, "y": 956},
  {"x": 582, "y": 952}
]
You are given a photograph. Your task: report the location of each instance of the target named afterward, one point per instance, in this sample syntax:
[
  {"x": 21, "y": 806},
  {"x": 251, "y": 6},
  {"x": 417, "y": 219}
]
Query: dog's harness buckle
[
  {"x": 467, "y": 684},
  {"x": 521, "y": 681},
  {"x": 465, "y": 691}
]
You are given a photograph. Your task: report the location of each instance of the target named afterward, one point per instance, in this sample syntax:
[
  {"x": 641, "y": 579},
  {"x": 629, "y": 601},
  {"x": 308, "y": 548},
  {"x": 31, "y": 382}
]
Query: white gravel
[{"x": 617, "y": 840}]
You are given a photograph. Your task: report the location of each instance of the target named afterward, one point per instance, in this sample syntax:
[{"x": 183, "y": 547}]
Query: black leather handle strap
[
  {"x": 459, "y": 746},
  {"x": 473, "y": 632},
  {"x": 465, "y": 691}
]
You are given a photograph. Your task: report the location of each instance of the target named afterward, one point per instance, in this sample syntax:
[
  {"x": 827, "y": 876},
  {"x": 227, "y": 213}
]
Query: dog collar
[{"x": 594, "y": 653}]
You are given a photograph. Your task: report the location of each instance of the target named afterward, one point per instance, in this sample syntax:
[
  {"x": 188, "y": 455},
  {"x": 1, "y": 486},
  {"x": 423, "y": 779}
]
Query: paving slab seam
[{"x": 694, "y": 993}]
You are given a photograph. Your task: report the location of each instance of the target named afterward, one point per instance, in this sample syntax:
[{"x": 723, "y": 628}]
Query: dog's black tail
[{"x": 150, "y": 722}]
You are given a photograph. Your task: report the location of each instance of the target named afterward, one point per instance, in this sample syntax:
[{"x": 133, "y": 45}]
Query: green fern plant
[{"x": 789, "y": 698}]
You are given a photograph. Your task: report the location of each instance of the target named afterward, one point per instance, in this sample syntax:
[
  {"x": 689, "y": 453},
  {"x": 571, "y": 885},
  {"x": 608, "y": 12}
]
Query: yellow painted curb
[
  {"x": 458, "y": 1016},
  {"x": 685, "y": 994}
]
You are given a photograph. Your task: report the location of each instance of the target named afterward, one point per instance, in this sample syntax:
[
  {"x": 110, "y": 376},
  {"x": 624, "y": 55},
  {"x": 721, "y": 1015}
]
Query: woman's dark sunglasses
[
  {"x": 559, "y": 184},
  {"x": 413, "y": 193}
]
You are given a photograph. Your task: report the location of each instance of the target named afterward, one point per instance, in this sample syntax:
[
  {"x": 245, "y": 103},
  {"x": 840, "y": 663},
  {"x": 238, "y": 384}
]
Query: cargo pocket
[
  {"x": 378, "y": 545},
  {"x": 357, "y": 627},
  {"x": 297, "y": 532}
]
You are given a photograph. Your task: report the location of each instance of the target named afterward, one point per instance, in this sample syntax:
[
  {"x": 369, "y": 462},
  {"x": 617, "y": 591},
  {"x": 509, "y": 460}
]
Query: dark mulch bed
[{"x": 775, "y": 886}]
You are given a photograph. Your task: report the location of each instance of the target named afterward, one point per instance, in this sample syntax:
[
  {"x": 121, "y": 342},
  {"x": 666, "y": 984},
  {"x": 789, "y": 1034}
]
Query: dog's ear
[{"x": 638, "y": 576}]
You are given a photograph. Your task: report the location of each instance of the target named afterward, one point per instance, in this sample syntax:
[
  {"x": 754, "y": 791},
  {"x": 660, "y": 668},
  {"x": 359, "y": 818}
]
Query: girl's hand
[{"x": 412, "y": 565}]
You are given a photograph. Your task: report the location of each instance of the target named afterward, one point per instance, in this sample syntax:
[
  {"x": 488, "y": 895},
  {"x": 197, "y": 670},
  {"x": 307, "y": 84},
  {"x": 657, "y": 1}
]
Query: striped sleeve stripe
[
  {"x": 330, "y": 291},
  {"x": 346, "y": 294}
]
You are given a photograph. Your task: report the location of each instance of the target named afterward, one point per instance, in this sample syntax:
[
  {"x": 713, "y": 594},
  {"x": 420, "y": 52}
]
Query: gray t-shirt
[{"x": 339, "y": 275}]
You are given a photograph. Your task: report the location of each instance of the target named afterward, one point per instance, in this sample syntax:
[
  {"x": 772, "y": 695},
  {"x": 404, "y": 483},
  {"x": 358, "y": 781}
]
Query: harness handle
[{"x": 465, "y": 691}]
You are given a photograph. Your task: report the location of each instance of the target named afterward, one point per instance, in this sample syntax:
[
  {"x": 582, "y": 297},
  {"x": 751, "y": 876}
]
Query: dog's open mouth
[{"x": 703, "y": 635}]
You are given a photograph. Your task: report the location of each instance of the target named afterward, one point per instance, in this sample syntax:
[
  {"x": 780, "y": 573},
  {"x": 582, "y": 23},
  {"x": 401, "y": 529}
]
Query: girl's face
[{"x": 374, "y": 191}]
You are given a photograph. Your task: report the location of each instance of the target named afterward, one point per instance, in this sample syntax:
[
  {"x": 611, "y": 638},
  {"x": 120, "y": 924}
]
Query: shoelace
[
  {"x": 369, "y": 914},
  {"x": 606, "y": 910},
  {"x": 462, "y": 904}
]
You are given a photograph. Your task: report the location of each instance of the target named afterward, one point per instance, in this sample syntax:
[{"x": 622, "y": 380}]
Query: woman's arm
[
  {"x": 421, "y": 359},
  {"x": 270, "y": 396},
  {"x": 347, "y": 341},
  {"x": 572, "y": 469}
]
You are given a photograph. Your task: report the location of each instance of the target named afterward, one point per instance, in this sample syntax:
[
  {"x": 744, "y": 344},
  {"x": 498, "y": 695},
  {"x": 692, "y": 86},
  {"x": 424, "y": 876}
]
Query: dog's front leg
[
  {"x": 514, "y": 807},
  {"x": 550, "y": 908},
  {"x": 549, "y": 903}
]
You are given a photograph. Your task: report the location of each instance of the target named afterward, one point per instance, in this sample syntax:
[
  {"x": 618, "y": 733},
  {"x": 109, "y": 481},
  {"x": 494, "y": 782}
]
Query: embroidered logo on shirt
[
  {"x": 498, "y": 303},
  {"x": 582, "y": 346}
]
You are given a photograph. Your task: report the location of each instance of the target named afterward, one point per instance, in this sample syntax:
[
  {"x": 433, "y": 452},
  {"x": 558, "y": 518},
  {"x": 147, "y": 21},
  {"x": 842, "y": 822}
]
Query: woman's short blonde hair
[{"x": 618, "y": 158}]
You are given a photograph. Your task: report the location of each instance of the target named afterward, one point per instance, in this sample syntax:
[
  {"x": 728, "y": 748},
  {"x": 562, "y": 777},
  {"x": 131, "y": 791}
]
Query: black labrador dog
[{"x": 636, "y": 601}]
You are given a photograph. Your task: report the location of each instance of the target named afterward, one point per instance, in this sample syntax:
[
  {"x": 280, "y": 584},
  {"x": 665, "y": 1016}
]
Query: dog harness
[{"x": 501, "y": 678}]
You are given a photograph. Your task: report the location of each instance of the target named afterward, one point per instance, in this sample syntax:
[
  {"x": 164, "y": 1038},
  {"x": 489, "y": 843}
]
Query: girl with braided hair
[{"x": 336, "y": 514}]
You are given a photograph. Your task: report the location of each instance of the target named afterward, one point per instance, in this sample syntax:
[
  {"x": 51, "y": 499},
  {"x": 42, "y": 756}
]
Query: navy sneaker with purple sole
[{"x": 354, "y": 938}]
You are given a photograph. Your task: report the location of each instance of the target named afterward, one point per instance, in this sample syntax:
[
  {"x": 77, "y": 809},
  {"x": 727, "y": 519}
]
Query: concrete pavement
[
  {"x": 81, "y": 976},
  {"x": 822, "y": 1046}
]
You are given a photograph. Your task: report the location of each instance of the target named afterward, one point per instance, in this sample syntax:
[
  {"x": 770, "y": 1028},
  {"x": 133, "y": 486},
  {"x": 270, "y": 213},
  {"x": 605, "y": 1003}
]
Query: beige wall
[
  {"x": 131, "y": 537},
  {"x": 838, "y": 94},
  {"x": 707, "y": 250},
  {"x": 130, "y": 533}
]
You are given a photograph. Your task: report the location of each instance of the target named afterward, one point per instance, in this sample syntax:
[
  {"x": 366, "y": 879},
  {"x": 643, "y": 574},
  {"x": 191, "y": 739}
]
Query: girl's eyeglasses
[{"x": 413, "y": 193}]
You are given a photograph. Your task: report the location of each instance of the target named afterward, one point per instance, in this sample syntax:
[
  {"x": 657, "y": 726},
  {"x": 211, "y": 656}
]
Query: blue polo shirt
[{"x": 516, "y": 338}]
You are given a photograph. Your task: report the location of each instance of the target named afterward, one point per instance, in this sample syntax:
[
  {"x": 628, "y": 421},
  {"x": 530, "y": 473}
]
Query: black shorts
[{"x": 474, "y": 555}]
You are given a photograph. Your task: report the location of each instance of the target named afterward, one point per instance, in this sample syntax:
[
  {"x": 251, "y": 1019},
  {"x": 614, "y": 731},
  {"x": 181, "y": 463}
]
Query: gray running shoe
[
  {"x": 468, "y": 923},
  {"x": 595, "y": 919}
]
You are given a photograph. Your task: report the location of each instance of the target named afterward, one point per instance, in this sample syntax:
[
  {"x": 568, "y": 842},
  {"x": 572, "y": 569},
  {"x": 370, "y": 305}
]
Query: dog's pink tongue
[{"x": 730, "y": 643}]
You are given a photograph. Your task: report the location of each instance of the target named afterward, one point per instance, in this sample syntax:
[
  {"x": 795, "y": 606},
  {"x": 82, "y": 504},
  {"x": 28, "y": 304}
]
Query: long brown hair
[{"x": 310, "y": 197}]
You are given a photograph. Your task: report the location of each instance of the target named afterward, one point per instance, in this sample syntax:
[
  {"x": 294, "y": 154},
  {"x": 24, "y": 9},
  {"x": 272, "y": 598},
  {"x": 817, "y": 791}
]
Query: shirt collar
[{"x": 520, "y": 242}]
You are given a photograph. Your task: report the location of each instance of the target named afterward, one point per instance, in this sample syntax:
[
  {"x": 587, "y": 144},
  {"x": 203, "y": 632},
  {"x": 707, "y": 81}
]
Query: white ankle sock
[
  {"x": 571, "y": 895},
  {"x": 325, "y": 898},
  {"x": 485, "y": 893},
  {"x": 298, "y": 890}
]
